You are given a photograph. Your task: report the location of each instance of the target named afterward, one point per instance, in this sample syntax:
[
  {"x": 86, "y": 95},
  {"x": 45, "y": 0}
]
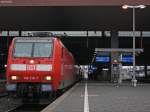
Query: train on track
[{"x": 39, "y": 68}]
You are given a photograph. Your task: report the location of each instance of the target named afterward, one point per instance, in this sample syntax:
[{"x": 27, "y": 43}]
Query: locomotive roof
[{"x": 33, "y": 39}]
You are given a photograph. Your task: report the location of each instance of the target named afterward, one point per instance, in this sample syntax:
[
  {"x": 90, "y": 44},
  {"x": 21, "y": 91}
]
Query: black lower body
[{"x": 33, "y": 92}]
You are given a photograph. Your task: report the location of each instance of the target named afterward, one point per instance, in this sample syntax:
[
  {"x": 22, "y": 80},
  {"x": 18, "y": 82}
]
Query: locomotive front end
[{"x": 30, "y": 66}]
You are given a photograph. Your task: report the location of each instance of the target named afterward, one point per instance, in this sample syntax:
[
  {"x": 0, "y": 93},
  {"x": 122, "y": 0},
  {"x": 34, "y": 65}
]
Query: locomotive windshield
[
  {"x": 42, "y": 50},
  {"x": 33, "y": 49}
]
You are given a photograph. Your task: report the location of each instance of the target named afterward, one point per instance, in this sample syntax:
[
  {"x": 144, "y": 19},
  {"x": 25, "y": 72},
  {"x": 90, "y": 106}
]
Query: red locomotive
[{"x": 39, "y": 66}]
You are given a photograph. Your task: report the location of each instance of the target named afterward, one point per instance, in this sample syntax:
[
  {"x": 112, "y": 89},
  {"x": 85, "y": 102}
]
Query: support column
[
  {"x": 145, "y": 71},
  {"x": 114, "y": 55}
]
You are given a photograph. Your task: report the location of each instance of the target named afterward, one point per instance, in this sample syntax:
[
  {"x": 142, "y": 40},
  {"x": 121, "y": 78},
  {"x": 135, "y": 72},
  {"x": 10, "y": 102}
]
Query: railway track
[
  {"x": 2, "y": 81},
  {"x": 3, "y": 92},
  {"x": 31, "y": 107},
  {"x": 28, "y": 108},
  {"x": 3, "y": 95}
]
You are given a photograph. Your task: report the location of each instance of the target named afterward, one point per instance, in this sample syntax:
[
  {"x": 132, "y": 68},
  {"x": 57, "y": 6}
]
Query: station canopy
[{"x": 70, "y": 2}]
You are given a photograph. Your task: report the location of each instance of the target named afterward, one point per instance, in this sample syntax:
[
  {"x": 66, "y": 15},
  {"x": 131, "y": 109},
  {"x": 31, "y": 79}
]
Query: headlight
[
  {"x": 5, "y": 66},
  {"x": 48, "y": 78},
  {"x": 31, "y": 61},
  {"x": 14, "y": 77}
]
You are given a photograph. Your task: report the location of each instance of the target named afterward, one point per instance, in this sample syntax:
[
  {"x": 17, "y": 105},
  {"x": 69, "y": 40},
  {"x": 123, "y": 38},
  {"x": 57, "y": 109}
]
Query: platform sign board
[
  {"x": 3, "y": 33},
  {"x": 102, "y": 59},
  {"x": 127, "y": 59},
  {"x": 14, "y": 33}
]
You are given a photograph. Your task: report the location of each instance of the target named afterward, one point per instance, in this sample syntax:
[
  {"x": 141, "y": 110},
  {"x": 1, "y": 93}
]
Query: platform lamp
[{"x": 133, "y": 7}]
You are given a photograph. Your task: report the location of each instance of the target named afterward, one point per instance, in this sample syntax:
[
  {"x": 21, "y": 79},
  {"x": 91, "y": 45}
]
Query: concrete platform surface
[{"x": 103, "y": 98}]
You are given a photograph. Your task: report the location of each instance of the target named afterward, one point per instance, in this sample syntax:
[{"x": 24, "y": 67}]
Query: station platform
[{"x": 103, "y": 97}]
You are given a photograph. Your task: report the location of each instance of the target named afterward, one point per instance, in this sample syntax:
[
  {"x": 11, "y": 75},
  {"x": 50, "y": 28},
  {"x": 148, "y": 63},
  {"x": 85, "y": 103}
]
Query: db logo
[{"x": 31, "y": 67}]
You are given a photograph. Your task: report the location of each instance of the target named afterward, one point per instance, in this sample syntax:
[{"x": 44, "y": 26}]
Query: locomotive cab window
[
  {"x": 42, "y": 50},
  {"x": 33, "y": 49},
  {"x": 22, "y": 49}
]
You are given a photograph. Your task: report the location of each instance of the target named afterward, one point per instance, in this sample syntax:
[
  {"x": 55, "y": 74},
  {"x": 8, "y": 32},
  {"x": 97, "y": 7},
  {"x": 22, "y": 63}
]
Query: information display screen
[
  {"x": 103, "y": 59},
  {"x": 127, "y": 59}
]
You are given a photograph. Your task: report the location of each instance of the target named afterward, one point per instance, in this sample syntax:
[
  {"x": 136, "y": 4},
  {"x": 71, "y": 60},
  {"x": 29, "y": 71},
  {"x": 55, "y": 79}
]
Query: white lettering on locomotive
[
  {"x": 31, "y": 67},
  {"x": 31, "y": 78}
]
